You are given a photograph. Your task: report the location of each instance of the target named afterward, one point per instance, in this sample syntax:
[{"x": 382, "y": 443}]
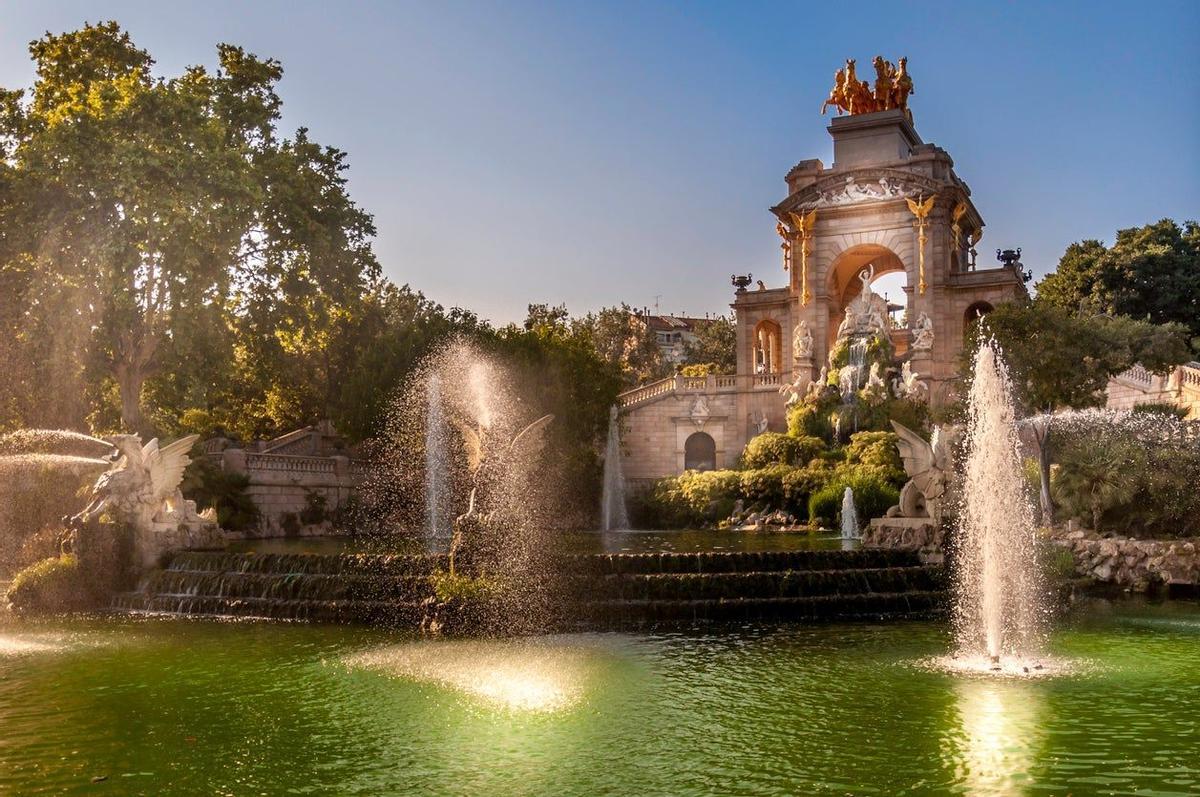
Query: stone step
[
  {"x": 389, "y": 613},
  {"x": 895, "y": 605},
  {"x": 736, "y": 561},
  {"x": 285, "y": 586},
  {"x": 784, "y": 584}
]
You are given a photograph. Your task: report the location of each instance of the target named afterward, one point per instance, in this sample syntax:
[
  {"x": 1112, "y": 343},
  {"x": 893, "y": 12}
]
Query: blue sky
[{"x": 598, "y": 152}]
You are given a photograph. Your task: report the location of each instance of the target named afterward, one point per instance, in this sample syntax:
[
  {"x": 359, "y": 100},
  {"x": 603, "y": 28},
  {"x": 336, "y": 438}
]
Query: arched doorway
[
  {"x": 700, "y": 452},
  {"x": 889, "y": 279},
  {"x": 768, "y": 348}
]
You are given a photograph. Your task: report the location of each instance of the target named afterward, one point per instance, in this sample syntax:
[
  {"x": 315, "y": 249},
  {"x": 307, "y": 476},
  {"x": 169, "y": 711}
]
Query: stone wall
[
  {"x": 656, "y": 427},
  {"x": 1137, "y": 386},
  {"x": 1137, "y": 565},
  {"x": 281, "y": 486}
]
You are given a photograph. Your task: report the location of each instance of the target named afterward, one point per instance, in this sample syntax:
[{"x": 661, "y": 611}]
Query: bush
[
  {"x": 799, "y": 484},
  {"x": 694, "y": 498},
  {"x": 875, "y": 454},
  {"x": 772, "y": 448},
  {"x": 211, "y": 487},
  {"x": 873, "y": 496},
  {"x": 52, "y": 585},
  {"x": 764, "y": 486}
]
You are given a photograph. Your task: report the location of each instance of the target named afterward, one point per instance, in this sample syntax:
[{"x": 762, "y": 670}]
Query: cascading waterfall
[
  {"x": 849, "y": 517},
  {"x": 436, "y": 472},
  {"x": 999, "y": 594},
  {"x": 613, "y": 512}
]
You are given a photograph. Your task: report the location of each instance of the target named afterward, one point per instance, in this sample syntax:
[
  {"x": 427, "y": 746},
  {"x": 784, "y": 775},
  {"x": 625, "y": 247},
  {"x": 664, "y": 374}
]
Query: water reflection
[
  {"x": 994, "y": 742},
  {"x": 525, "y": 675}
]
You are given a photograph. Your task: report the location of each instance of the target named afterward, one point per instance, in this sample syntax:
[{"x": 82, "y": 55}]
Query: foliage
[
  {"x": 715, "y": 345},
  {"x": 799, "y": 484},
  {"x": 211, "y": 487},
  {"x": 621, "y": 337},
  {"x": 874, "y": 454},
  {"x": 692, "y": 499},
  {"x": 57, "y": 584},
  {"x": 873, "y": 496},
  {"x": 764, "y": 486},
  {"x": 1060, "y": 359},
  {"x": 1150, "y": 272},
  {"x": 771, "y": 448},
  {"x": 1121, "y": 480}
]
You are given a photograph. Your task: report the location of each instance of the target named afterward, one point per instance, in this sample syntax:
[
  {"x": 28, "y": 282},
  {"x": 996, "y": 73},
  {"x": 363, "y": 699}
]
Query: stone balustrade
[
  {"x": 710, "y": 384},
  {"x": 283, "y": 486}
]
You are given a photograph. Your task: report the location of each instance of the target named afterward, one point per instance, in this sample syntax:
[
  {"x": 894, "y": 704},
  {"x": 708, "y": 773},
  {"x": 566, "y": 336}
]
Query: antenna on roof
[{"x": 657, "y": 296}]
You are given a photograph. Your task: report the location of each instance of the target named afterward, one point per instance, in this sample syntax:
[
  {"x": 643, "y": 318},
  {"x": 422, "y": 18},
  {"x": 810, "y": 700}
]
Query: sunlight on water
[
  {"x": 995, "y": 740},
  {"x": 1008, "y": 666},
  {"x": 15, "y": 646},
  {"x": 522, "y": 675}
]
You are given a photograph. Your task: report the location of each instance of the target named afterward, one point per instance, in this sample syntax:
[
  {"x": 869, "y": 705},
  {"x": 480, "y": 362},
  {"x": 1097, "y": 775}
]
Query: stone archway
[
  {"x": 768, "y": 347},
  {"x": 700, "y": 452},
  {"x": 843, "y": 283}
]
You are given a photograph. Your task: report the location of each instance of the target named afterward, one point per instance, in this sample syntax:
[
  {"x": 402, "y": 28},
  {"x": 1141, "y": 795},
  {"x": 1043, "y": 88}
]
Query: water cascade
[
  {"x": 436, "y": 464},
  {"x": 998, "y": 588},
  {"x": 613, "y": 513}
]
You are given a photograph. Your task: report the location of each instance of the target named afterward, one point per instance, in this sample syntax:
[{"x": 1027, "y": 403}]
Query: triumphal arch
[{"x": 888, "y": 204}]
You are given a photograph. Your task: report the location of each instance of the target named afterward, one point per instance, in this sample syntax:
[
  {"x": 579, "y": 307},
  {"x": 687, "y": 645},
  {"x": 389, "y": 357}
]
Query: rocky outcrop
[
  {"x": 922, "y": 535},
  {"x": 1136, "y": 565}
]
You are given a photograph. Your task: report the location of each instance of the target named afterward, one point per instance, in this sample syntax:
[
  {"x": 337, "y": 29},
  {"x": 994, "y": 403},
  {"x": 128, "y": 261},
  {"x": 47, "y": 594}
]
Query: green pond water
[{"x": 176, "y": 706}]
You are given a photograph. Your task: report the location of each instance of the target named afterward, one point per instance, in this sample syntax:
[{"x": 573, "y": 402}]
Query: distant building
[{"x": 673, "y": 333}]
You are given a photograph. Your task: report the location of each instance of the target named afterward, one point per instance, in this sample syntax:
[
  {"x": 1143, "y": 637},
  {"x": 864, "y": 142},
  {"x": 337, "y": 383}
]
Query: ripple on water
[{"x": 1008, "y": 666}]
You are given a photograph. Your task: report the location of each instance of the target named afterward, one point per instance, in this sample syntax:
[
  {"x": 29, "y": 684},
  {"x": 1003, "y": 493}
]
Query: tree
[
  {"x": 715, "y": 345},
  {"x": 1150, "y": 272},
  {"x": 1064, "y": 360},
  {"x": 623, "y": 338},
  {"x": 157, "y": 214}
]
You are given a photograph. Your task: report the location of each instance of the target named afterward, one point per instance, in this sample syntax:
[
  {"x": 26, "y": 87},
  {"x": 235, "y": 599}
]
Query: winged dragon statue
[
  {"x": 142, "y": 486},
  {"x": 930, "y": 468}
]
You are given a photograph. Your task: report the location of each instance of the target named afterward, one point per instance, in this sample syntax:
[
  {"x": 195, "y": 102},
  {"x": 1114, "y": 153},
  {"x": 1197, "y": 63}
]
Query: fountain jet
[
  {"x": 613, "y": 512},
  {"x": 998, "y": 583}
]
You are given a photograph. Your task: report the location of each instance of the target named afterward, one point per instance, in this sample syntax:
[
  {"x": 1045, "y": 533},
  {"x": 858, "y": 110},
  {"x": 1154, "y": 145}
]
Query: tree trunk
[
  {"x": 1047, "y": 505},
  {"x": 130, "y": 380},
  {"x": 134, "y": 365}
]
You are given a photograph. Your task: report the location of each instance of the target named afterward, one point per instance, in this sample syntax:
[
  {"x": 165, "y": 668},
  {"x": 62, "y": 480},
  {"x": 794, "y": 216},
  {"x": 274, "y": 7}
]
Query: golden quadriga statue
[{"x": 853, "y": 96}]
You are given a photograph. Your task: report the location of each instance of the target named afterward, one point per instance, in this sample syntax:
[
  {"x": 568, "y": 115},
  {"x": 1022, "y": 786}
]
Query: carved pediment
[{"x": 860, "y": 186}]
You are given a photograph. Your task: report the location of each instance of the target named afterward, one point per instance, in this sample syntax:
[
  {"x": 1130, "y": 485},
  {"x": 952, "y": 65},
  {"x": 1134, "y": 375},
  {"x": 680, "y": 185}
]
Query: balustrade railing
[
  {"x": 712, "y": 383},
  {"x": 290, "y": 462}
]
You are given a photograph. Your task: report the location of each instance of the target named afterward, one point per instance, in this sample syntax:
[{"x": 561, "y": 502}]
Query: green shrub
[
  {"x": 799, "y": 484},
  {"x": 874, "y": 454},
  {"x": 315, "y": 508},
  {"x": 210, "y": 486},
  {"x": 825, "y": 505},
  {"x": 52, "y": 585},
  {"x": 764, "y": 486},
  {"x": 873, "y": 496},
  {"x": 769, "y": 448},
  {"x": 694, "y": 498}
]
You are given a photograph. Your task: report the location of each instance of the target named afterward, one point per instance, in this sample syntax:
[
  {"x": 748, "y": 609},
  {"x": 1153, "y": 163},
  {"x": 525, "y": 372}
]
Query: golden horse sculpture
[{"x": 893, "y": 85}]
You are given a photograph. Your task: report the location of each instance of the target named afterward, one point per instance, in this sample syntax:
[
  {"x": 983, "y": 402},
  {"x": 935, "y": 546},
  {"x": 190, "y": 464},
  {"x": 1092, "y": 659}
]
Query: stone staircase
[
  {"x": 668, "y": 588},
  {"x": 594, "y": 591}
]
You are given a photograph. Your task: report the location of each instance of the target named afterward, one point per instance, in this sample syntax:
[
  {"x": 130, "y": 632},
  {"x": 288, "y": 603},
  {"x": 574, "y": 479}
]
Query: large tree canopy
[
  {"x": 1150, "y": 272},
  {"x": 1062, "y": 359},
  {"x": 148, "y": 218}
]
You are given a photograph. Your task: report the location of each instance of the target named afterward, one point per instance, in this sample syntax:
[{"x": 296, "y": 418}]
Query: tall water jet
[
  {"x": 436, "y": 462},
  {"x": 998, "y": 585},
  {"x": 850, "y": 530},
  {"x": 613, "y": 512}
]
